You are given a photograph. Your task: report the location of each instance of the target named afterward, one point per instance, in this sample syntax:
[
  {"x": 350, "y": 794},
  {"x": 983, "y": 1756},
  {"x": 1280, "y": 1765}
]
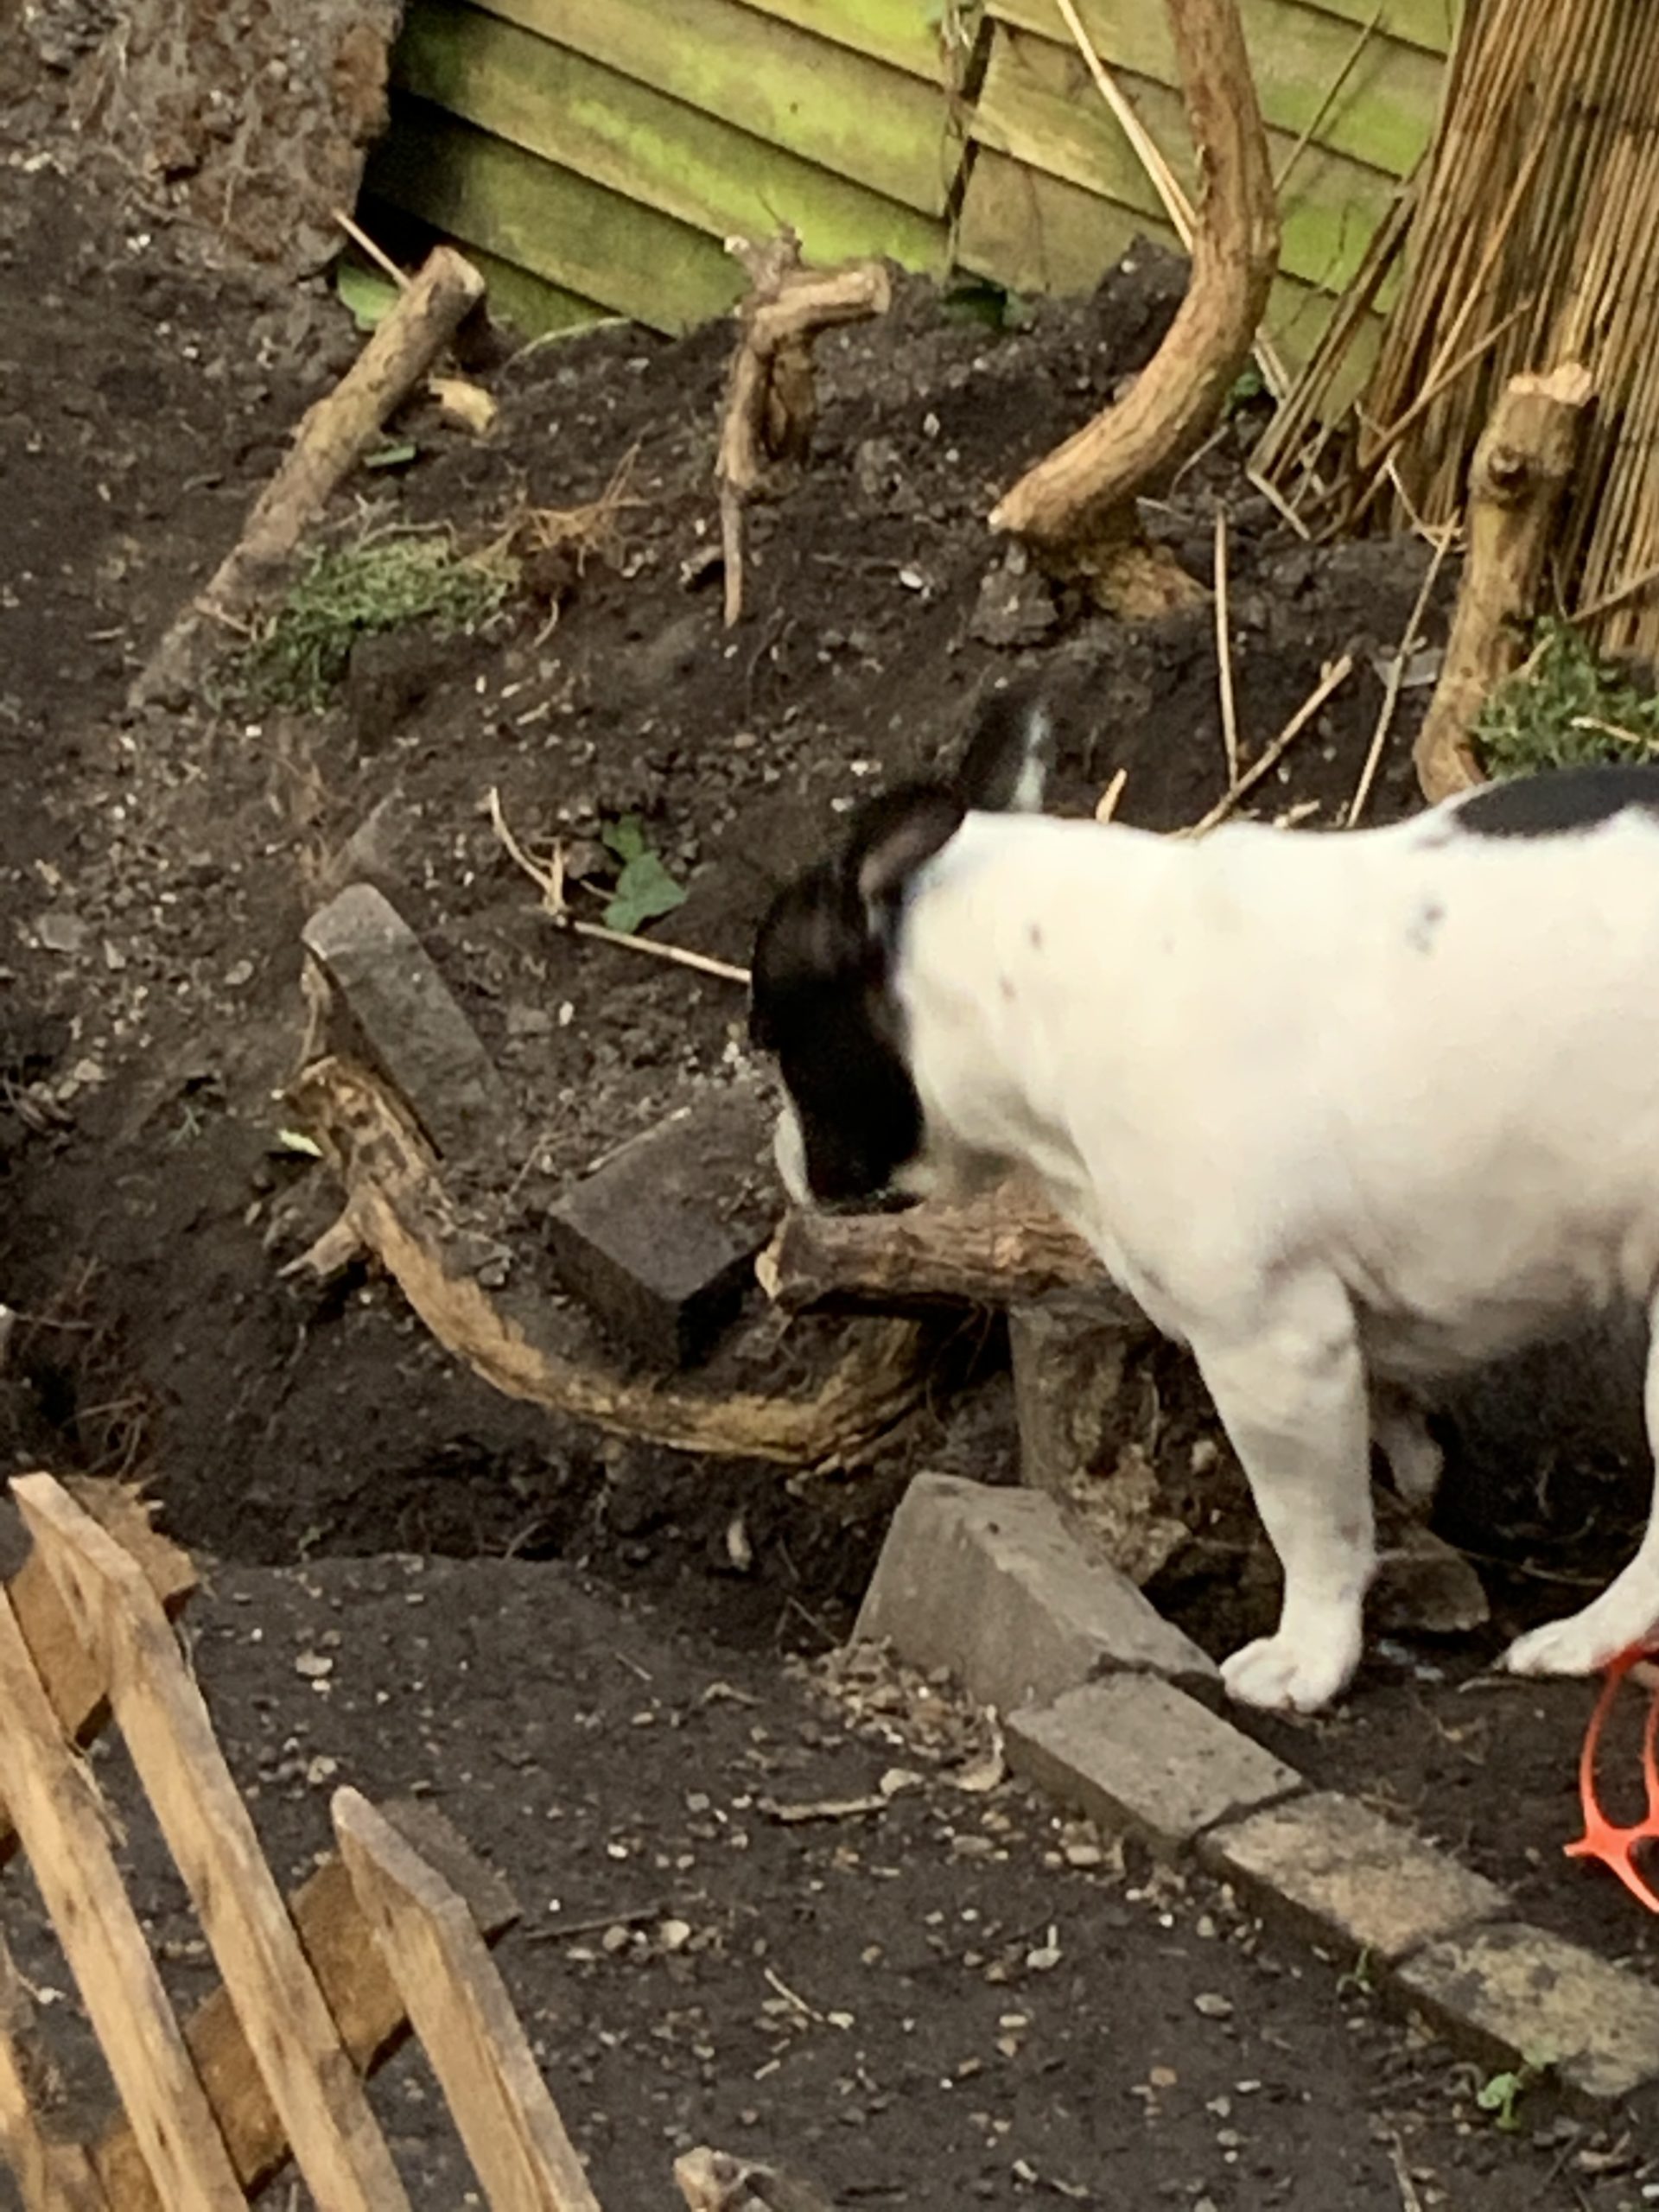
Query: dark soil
[{"x": 154, "y": 875}]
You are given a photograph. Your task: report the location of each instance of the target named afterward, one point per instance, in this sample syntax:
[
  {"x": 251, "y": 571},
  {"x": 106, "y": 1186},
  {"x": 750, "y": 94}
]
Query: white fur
[{"x": 1346, "y": 1113}]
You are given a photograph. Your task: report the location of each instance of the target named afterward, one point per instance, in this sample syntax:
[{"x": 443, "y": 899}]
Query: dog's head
[{"x": 822, "y": 1000}]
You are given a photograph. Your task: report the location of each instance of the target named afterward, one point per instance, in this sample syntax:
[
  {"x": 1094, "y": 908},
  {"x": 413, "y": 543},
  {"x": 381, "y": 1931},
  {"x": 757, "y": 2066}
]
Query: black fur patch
[
  {"x": 1559, "y": 803},
  {"x": 818, "y": 1003}
]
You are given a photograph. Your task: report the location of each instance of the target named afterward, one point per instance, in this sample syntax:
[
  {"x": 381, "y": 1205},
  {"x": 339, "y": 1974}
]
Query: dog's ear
[
  {"x": 896, "y": 835},
  {"x": 1010, "y": 753}
]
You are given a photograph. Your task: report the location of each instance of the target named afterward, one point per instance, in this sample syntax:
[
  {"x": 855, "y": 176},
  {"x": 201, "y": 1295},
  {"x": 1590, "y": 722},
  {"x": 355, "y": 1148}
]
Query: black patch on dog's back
[{"x": 1560, "y": 802}]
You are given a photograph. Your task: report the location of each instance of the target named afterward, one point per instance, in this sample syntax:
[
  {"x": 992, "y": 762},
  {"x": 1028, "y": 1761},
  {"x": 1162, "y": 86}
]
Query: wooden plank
[
  {"x": 73, "y": 1681},
  {"x": 1431, "y": 24},
  {"x": 639, "y": 142},
  {"x": 1038, "y": 234},
  {"x": 533, "y": 306},
  {"x": 357, "y": 1984},
  {"x": 906, "y": 36},
  {"x": 336, "y": 2145},
  {"x": 461, "y": 2012},
  {"x": 852, "y": 116},
  {"x": 1384, "y": 114},
  {"x": 551, "y": 222},
  {"x": 52, "y": 2175},
  {"x": 61, "y": 1821},
  {"x": 1040, "y": 106}
]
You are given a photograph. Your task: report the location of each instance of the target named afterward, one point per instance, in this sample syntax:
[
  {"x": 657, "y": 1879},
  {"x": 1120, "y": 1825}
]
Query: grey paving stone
[
  {"x": 1517, "y": 1994},
  {"x": 660, "y": 1241},
  {"x": 990, "y": 1584},
  {"x": 1142, "y": 1759},
  {"x": 1362, "y": 1882},
  {"x": 406, "y": 1018}
]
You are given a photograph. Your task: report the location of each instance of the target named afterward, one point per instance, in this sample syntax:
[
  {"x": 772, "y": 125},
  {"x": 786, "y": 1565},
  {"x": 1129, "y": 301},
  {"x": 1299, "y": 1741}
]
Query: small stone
[
  {"x": 314, "y": 1665},
  {"x": 1212, "y": 2004},
  {"x": 60, "y": 933}
]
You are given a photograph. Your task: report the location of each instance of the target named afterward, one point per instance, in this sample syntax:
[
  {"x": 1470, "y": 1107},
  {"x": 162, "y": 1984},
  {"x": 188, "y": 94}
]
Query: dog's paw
[
  {"x": 1282, "y": 1674},
  {"x": 1583, "y": 1644}
]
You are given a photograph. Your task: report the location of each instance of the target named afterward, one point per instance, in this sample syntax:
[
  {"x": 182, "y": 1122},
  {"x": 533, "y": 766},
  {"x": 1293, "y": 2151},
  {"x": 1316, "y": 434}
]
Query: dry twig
[
  {"x": 1396, "y": 678},
  {"x": 1333, "y": 679},
  {"x": 1224, "y": 654},
  {"x": 551, "y": 882}
]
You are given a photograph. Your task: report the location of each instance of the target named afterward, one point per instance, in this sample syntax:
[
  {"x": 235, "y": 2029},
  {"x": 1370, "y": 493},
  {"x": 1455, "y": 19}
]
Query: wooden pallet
[{"x": 390, "y": 1934}]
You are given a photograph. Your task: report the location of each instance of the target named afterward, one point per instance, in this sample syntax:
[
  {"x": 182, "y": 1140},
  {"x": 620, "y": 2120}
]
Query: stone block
[
  {"x": 1358, "y": 1882},
  {"x": 990, "y": 1584},
  {"x": 1142, "y": 1759},
  {"x": 405, "y": 1019},
  {"x": 1517, "y": 1994},
  {"x": 660, "y": 1240}
]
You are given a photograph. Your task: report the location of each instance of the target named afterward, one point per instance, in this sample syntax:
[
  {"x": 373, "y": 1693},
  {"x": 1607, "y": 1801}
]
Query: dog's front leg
[{"x": 1292, "y": 1397}]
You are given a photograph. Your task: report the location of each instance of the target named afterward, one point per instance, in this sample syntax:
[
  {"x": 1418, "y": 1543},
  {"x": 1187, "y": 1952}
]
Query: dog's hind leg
[
  {"x": 1292, "y": 1397},
  {"x": 1400, "y": 1433},
  {"x": 1626, "y": 1615}
]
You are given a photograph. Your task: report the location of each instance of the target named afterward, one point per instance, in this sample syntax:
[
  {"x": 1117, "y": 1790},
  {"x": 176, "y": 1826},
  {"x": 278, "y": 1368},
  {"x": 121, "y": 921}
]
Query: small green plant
[
  {"x": 1247, "y": 387},
  {"x": 1564, "y": 708},
  {"x": 645, "y": 889},
  {"x": 1359, "y": 1977},
  {"x": 1501, "y": 2094},
  {"x": 349, "y": 591}
]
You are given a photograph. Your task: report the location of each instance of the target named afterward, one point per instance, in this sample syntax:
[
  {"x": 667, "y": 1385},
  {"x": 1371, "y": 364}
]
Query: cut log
[
  {"x": 769, "y": 405},
  {"x": 332, "y": 438},
  {"x": 1001, "y": 1249},
  {"x": 1077, "y": 507},
  {"x": 400, "y": 1209},
  {"x": 1068, "y": 1352},
  {"x": 1522, "y": 466}
]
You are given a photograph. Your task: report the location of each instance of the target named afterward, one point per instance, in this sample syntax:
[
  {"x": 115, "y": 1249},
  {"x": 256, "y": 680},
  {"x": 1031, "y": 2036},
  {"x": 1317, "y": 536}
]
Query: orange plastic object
[{"x": 1604, "y": 1838}]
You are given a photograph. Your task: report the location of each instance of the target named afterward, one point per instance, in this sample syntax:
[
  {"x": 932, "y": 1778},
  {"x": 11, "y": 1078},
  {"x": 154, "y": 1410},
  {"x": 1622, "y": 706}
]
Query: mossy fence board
[{"x": 598, "y": 152}]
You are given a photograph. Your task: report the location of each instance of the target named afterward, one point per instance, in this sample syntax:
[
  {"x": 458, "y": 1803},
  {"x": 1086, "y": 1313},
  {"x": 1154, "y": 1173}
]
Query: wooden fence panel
[
  {"x": 59, "y": 1820},
  {"x": 1377, "y": 105},
  {"x": 551, "y": 222},
  {"x": 464, "y": 2019},
  {"x": 850, "y": 114},
  {"x": 555, "y": 103},
  {"x": 159, "y": 1710}
]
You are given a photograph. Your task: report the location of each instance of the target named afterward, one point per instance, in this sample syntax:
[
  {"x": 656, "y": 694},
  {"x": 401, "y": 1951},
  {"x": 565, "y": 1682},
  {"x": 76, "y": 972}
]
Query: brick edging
[{"x": 1111, "y": 1710}]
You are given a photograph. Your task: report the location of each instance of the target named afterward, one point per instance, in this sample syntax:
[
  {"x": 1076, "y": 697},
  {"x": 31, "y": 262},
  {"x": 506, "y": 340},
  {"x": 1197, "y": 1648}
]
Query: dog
[{"x": 1347, "y": 1113}]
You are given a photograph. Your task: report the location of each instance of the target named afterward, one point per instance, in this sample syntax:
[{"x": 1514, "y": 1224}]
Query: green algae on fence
[
  {"x": 1038, "y": 104},
  {"x": 851, "y": 115},
  {"x": 637, "y": 143},
  {"x": 551, "y": 222},
  {"x": 1035, "y": 233},
  {"x": 1382, "y": 114}
]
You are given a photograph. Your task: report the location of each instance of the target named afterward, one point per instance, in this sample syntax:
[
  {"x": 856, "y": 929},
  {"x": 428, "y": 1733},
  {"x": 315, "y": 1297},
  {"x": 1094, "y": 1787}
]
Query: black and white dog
[{"x": 1348, "y": 1114}]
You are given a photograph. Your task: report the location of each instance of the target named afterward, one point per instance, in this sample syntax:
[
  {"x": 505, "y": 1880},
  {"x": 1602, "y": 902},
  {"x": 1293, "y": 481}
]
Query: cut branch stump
[
  {"x": 770, "y": 405},
  {"x": 1521, "y": 467}
]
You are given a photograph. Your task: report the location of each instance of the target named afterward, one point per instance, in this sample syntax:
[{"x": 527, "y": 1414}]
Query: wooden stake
[
  {"x": 331, "y": 441},
  {"x": 464, "y": 2019},
  {"x": 1521, "y": 467},
  {"x": 1076, "y": 506}
]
